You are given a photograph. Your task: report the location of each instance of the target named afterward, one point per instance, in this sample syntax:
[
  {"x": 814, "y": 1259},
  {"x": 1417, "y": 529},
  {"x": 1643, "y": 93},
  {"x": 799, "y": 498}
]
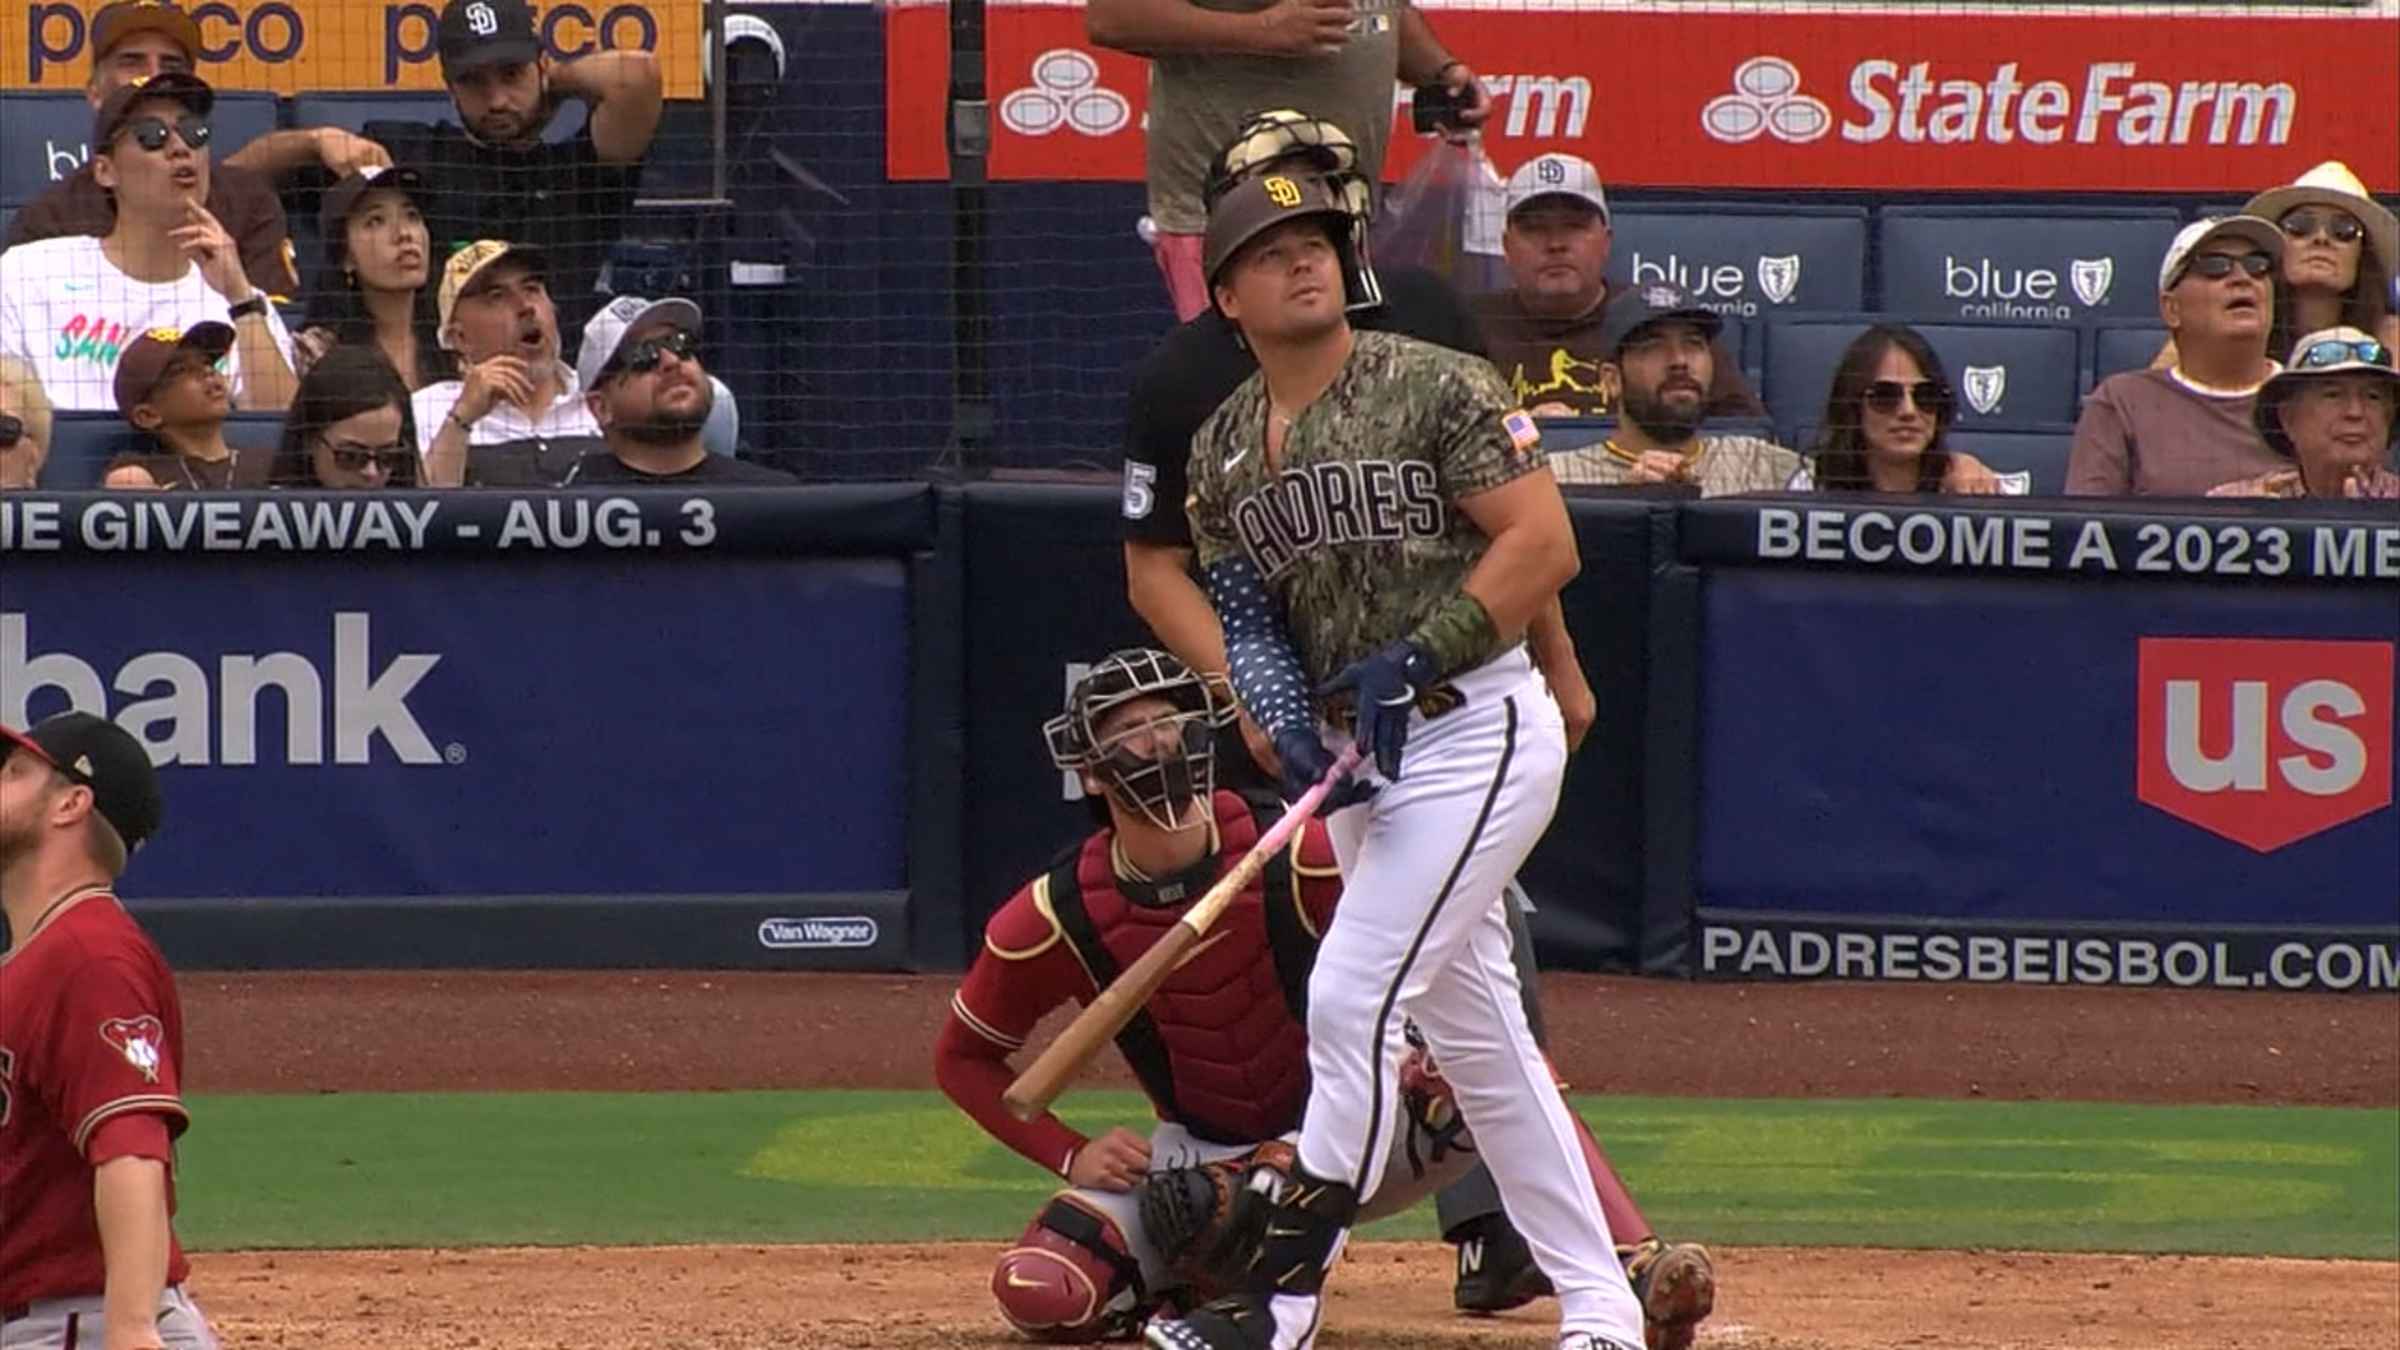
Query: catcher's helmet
[
  {"x": 1296, "y": 143},
  {"x": 1160, "y": 766}
]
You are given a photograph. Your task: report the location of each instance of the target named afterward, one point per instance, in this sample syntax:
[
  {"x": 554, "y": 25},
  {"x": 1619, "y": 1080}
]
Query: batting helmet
[
  {"x": 1257, "y": 205},
  {"x": 1296, "y": 143},
  {"x": 1158, "y": 766}
]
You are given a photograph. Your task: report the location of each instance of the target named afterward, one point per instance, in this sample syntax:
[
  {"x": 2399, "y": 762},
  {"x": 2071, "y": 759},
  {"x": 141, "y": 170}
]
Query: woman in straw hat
[{"x": 2341, "y": 253}]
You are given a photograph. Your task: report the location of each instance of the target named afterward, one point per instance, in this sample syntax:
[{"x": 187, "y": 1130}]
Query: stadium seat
[
  {"x": 2022, "y": 264},
  {"x": 2039, "y": 451},
  {"x": 1746, "y": 259},
  {"x": 82, "y": 444},
  {"x": 2003, "y": 374},
  {"x": 2126, "y": 346},
  {"x": 351, "y": 111},
  {"x": 47, "y": 134}
]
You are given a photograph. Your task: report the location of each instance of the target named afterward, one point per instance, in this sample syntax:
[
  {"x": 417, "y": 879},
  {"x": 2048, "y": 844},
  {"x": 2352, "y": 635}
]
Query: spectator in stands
[
  {"x": 131, "y": 41},
  {"x": 1887, "y": 420},
  {"x": 372, "y": 288},
  {"x": 69, "y": 304},
  {"x": 1545, "y": 330},
  {"x": 2180, "y": 431},
  {"x": 1213, "y": 66},
  {"x": 516, "y": 416},
  {"x": 491, "y": 175},
  {"x": 350, "y": 425},
  {"x": 169, "y": 390},
  {"x": 642, "y": 377},
  {"x": 2331, "y": 415},
  {"x": 2341, "y": 251},
  {"x": 24, "y": 424},
  {"x": 1660, "y": 348}
]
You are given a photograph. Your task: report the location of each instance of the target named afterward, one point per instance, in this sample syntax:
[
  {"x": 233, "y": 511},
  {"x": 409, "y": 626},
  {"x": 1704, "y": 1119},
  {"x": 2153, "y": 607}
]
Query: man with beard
[
  {"x": 643, "y": 381},
  {"x": 1660, "y": 349},
  {"x": 491, "y": 175},
  {"x": 91, "y": 1054},
  {"x": 2181, "y": 431},
  {"x": 516, "y": 417}
]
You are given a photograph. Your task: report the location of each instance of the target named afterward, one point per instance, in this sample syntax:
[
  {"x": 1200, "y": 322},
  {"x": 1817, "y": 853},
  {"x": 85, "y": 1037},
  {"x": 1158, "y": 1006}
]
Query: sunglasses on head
[
  {"x": 359, "y": 459},
  {"x": 645, "y": 354},
  {"x": 150, "y": 133},
  {"x": 2334, "y": 352},
  {"x": 1884, "y": 396},
  {"x": 2342, "y": 229},
  {"x": 2215, "y": 266},
  {"x": 12, "y": 430}
]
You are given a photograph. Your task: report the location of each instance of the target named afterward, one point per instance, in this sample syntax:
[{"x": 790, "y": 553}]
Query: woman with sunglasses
[
  {"x": 2341, "y": 251},
  {"x": 373, "y": 286},
  {"x": 2332, "y": 414},
  {"x": 1886, "y": 421},
  {"x": 350, "y": 426},
  {"x": 70, "y": 306}
]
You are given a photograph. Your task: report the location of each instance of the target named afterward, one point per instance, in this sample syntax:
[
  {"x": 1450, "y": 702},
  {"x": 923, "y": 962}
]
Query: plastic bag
[{"x": 1445, "y": 218}]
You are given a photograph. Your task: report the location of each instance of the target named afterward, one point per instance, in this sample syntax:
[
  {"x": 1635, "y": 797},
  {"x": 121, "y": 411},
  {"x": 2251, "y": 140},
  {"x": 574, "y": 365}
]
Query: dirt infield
[{"x": 682, "y": 1031}]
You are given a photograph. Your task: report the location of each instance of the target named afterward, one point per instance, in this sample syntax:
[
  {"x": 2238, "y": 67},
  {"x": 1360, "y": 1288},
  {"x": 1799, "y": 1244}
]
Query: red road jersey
[
  {"x": 90, "y": 1032},
  {"x": 1220, "y": 1047}
]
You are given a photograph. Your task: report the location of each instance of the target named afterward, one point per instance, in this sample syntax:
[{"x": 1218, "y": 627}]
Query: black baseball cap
[
  {"x": 117, "y": 109},
  {"x": 478, "y": 33},
  {"x": 104, "y": 757},
  {"x": 342, "y": 198},
  {"x": 1641, "y": 306}
]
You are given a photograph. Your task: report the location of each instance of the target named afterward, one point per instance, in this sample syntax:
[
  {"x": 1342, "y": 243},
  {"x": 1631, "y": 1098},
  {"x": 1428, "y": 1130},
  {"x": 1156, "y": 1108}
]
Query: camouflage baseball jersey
[{"x": 1359, "y": 536}]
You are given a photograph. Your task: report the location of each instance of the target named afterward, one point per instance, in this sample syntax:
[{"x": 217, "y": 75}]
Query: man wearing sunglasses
[
  {"x": 69, "y": 306},
  {"x": 2180, "y": 431},
  {"x": 24, "y": 424},
  {"x": 643, "y": 381},
  {"x": 2331, "y": 416},
  {"x": 131, "y": 41}
]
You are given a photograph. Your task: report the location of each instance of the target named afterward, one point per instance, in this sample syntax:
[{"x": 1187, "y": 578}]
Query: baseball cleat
[
  {"x": 1584, "y": 1340},
  {"x": 1677, "y": 1285},
  {"x": 1234, "y": 1322},
  {"x": 1495, "y": 1269}
]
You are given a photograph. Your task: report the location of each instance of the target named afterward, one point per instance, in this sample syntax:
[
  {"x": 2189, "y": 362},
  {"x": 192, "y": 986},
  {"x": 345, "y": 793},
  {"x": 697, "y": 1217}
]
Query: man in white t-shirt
[
  {"x": 69, "y": 306},
  {"x": 517, "y": 417}
]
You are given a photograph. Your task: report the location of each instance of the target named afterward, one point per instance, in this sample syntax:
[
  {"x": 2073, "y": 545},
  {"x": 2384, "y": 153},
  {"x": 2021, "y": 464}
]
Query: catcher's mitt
[{"x": 1207, "y": 1221}]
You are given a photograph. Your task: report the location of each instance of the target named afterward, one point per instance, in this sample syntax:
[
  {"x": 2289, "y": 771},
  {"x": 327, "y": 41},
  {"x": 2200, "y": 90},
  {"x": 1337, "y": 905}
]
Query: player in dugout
[{"x": 1152, "y": 1221}]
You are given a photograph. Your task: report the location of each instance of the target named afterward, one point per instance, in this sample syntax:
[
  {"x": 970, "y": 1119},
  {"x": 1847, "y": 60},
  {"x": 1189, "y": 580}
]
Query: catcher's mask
[
  {"x": 1294, "y": 142},
  {"x": 1158, "y": 765}
]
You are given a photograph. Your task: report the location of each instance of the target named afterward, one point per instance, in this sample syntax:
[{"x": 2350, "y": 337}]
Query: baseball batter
[
  {"x": 1376, "y": 527},
  {"x": 91, "y": 1056},
  {"x": 1158, "y": 1220}
]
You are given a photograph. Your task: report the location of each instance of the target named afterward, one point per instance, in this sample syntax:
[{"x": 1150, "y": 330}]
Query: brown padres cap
[{"x": 1259, "y": 204}]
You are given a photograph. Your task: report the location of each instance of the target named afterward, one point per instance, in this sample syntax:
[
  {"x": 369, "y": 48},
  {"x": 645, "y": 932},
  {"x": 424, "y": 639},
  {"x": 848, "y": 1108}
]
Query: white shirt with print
[
  {"x": 506, "y": 422},
  {"x": 69, "y": 313}
]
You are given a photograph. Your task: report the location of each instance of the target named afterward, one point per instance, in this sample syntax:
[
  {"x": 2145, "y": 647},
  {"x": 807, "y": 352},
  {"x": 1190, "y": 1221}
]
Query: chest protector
[{"x": 1222, "y": 1047}]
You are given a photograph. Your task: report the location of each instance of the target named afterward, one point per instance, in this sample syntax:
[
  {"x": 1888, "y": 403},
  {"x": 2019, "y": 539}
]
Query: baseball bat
[{"x": 1107, "y": 1014}]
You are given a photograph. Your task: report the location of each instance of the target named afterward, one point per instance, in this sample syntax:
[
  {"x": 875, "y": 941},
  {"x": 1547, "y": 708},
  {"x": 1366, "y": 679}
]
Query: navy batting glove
[
  {"x": 1387, "y": 685},
  {"x": 1305, "y": 764}
]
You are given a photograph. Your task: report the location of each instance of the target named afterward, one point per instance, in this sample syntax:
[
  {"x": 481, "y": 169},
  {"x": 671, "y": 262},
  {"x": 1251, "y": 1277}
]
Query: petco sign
[
  {"x": 1821, "y": 98},
  {"x": 2265, "y": 742}
]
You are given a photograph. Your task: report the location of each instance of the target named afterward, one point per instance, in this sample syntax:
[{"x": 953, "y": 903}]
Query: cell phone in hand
[{"x": 1436, "y": 107}]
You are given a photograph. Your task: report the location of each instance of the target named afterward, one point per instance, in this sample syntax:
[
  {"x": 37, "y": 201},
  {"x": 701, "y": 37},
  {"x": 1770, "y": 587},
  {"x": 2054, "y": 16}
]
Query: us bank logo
[{"x": 1066, "y": 93}]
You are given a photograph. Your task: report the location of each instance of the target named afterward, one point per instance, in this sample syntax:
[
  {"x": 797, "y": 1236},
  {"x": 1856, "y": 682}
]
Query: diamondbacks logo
[
  {"x": 1779, "y": 278},
  {"x": 1766, "y": 101},
  {"x": 2091, "y": 278},
  {"x": 2265, "y": 741},
  {"x": 1065, "y": 92},
  {"x": 1985, "y": 386},
  {"x": 141, "y": 1040},
  {"x": 1282, "y": 191}
]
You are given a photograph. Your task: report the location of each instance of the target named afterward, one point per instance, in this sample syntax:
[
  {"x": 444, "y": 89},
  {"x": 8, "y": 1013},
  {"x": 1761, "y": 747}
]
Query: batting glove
[
  {"x": 1387, "y": 685},
  {"x": 1306, "y": 761}
]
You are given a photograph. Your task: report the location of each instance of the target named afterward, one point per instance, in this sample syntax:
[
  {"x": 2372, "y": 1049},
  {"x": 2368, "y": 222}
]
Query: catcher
[{"x": 1167, "y": 1219}]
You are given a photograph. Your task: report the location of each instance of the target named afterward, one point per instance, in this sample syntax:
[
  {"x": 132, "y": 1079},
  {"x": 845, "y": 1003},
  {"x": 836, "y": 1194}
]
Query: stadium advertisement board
[
  {"x": 2107, "y": 779},
  {"x": 316, "y": 46},
  {"x": 1832, "y": 96},
  {"x": 559, "y": 726}
]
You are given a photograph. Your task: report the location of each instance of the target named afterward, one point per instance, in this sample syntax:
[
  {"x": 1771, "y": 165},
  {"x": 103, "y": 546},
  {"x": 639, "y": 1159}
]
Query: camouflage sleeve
[
  {"x": 1481, "y": 438},
  {"x": 1205, "y": 508}
]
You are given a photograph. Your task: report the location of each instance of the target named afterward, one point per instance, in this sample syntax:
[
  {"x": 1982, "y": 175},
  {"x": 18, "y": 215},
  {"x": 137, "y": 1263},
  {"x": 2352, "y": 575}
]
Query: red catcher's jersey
[
  {"x": 1231, "y": 1060},
  {"x": 90, "y": 1031}
]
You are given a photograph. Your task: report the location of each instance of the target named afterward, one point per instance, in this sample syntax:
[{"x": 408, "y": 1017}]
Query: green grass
[{"x": 479, "y": 1169}]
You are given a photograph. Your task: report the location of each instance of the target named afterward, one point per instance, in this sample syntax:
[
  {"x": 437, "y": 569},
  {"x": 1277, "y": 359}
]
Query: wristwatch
[{"x": 256, "y": 304}]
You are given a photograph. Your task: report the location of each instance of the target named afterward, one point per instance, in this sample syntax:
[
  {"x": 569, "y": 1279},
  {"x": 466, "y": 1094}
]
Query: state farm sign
[
  {"x": 1829, "y": 99},
  {"x": 2265, "y": 741}
]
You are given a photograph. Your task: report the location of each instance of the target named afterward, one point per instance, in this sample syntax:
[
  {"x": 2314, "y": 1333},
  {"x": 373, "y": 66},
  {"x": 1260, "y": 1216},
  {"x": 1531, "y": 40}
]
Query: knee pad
[{"x": 1071, "y": 1278}]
